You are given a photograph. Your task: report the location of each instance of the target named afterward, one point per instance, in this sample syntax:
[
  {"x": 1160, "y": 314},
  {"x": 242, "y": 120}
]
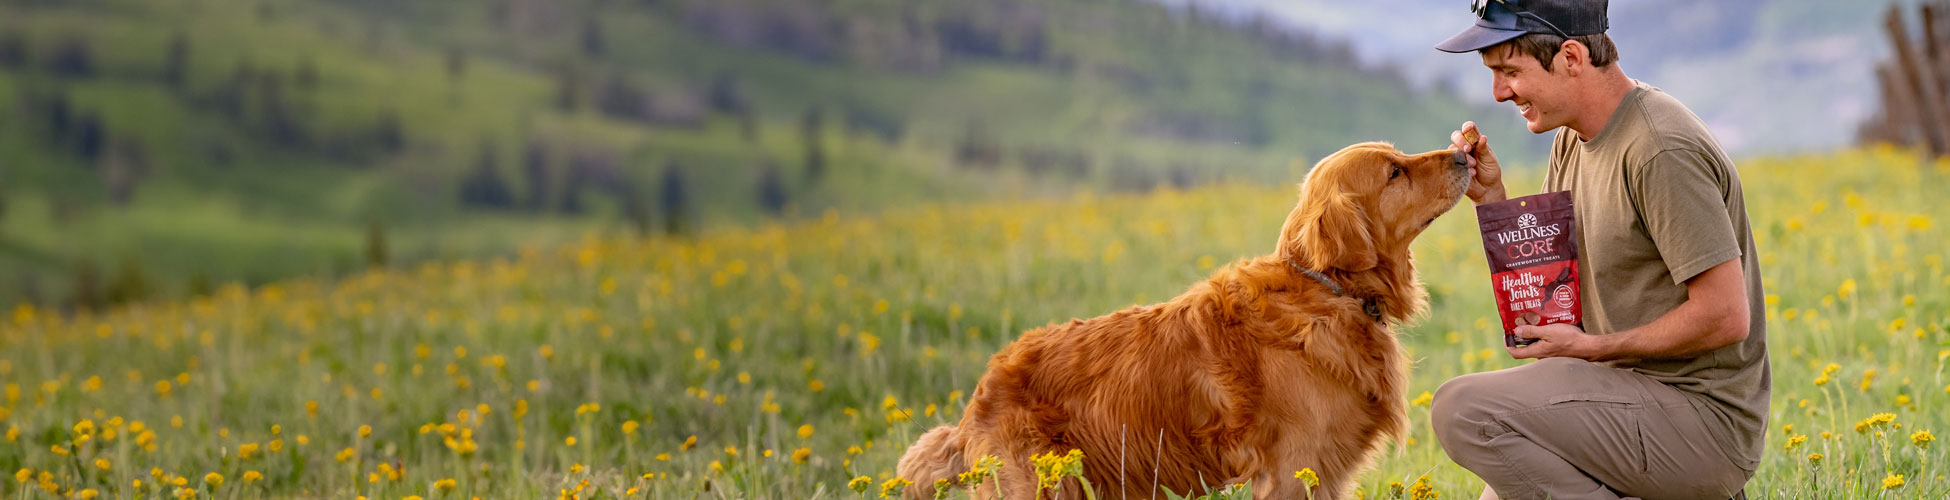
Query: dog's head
[{"x": 1362, "y": 205}]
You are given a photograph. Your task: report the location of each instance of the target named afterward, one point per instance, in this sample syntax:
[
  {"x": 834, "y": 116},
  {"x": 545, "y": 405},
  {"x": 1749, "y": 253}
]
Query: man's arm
[{"x": 1714, "y": 315}]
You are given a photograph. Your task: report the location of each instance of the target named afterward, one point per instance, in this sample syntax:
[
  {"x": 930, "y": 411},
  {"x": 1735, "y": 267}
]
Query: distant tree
[
  {"x": 977, "y": 148},
  {"x": 484, "y": 187},
  {"x": 771, "y": 188},
  {"x": 200, "y": 284},
  {"x": 748, "y": 125},
  {"x": 130, "y": 283},
  {"x": 86, "y": 293},
  {"x": 593, "y": 42},
  {"x": 72, "y": 57},
  {"x": 637, "y": 211},
  {"x": 725, "y": 96},
  {"x": 456, "y": 63},
  {"x": 811, "y": 130},
  {"x": 59, "y": 116},
  {"x": 275, "y": 114},
  {"x": 89, "y": 136},
  {"x": 306, "y": 76},
  {"x": 862, "y": 118},
  {"x": 13, "y": 49},
  {"x": 176, "y": 61},
  {"x": 375, "y": 242},
  {"x": 674, "y": 199},
  {"x": 390, "y": 133},
  {"x": 230, "y": 96},
  {"x": 534, "y": 165},
  {"x": 621, "y": 99},
  {"x": 123, "y": 168},
  {"x": 568, "y": 89}
]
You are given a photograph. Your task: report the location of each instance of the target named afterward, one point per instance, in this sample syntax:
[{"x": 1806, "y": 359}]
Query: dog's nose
[{"x": 1460, "y": 160}]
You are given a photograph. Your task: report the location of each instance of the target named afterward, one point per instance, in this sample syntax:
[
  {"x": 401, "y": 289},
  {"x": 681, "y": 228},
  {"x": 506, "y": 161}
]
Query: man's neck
[{"x": 1608, "y": 90}]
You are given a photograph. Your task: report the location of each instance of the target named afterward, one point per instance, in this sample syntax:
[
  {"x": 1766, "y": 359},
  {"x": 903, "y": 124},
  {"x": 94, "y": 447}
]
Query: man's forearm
[
  {"x": 1692, "y": 329},
  {"x": 1714, "y": 315}
]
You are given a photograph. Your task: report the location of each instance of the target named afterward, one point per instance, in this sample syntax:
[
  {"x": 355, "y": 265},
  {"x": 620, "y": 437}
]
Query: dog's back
[{"x": 1131, "y": 389}]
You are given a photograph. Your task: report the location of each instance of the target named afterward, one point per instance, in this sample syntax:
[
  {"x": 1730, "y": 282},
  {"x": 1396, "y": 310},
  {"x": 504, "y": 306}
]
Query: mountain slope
[{"x": 165, "y": 147}]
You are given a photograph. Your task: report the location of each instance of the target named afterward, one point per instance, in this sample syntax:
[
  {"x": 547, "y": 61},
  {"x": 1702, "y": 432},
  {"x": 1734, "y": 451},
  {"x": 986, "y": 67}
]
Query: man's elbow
[{"x": 1734, "y": 325}]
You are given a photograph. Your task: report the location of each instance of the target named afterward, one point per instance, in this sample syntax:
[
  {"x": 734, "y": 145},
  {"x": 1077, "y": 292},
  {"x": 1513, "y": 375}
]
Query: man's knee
[{"x": 1457, "y": 412}]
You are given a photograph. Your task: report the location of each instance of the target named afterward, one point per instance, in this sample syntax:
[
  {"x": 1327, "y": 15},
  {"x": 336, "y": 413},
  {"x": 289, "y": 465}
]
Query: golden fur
[{"x": 1249, "y": 376}]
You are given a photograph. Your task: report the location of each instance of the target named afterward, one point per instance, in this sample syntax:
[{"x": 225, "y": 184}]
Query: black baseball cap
[{"x": 1499, "y": 21}]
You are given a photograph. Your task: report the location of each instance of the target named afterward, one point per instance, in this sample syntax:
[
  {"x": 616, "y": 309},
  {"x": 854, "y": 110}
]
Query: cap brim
[{"x": 1477, "y": 38}]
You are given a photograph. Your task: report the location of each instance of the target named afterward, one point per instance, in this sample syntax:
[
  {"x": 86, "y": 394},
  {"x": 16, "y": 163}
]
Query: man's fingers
[{"x": 1520, "y": 352}]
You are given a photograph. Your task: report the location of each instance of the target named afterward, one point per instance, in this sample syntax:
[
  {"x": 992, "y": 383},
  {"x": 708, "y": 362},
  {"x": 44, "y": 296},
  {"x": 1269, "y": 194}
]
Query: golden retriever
[{"x": 1252, "y": 375}]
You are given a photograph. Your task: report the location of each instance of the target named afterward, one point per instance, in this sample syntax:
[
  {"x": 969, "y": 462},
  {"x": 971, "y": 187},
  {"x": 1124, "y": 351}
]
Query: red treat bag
[{"x": 1533, "y": 261}]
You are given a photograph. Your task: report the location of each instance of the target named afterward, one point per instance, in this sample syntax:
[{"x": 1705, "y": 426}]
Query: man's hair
[{"x": 1544, "y": 46}]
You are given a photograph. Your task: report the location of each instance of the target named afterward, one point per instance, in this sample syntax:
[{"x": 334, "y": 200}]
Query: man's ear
[
  {"x": 1575, "y": 55},
  {"x": 1333, "y": 234}
]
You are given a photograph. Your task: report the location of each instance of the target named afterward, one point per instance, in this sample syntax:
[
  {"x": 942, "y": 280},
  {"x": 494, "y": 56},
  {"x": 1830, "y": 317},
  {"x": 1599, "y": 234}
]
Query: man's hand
[
  {"x": 1485, "y": 175},
  {"x": 1561, "y": 340}
]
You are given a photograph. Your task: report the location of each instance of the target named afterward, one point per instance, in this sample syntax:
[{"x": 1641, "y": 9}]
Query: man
[{"x": 1662, "y": 392}]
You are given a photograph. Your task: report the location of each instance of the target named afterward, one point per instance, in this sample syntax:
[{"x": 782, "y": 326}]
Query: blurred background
[{"x": 155, "y": 149}]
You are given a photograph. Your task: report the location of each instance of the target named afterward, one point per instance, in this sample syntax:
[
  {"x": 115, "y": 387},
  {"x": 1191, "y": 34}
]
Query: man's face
[{"x": 1519, "y": 79}]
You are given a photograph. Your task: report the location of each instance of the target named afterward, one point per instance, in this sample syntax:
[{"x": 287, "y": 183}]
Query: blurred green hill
[{"x": 153, "y": 148}]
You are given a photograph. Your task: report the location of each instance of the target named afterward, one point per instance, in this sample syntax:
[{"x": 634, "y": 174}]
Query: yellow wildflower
[
  {"x": 1421, "y": 490},
  {"x": 1307, "y": 477},
  {"x": 1874, "y": 421},
  {"x": 892, "y": 487},
  {"x": 1892, "y": 482}
]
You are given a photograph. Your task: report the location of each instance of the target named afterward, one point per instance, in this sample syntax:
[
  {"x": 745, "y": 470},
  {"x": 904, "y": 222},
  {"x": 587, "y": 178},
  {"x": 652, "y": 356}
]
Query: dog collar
[{"x": 1368, "y": 305}]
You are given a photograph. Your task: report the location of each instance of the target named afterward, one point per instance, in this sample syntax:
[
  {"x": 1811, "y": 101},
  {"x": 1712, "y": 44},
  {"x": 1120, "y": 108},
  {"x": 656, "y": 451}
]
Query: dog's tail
[{"x": 937, "y": 456}]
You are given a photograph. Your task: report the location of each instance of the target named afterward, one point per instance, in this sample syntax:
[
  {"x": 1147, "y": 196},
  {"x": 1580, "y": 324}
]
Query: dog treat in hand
[
  {"x": 1470, "y": 136},
  {"x": 1533, "y": 261}
]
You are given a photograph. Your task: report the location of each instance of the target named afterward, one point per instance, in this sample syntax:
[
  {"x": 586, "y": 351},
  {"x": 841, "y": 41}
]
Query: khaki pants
[{"x": 1568, "y": 429}]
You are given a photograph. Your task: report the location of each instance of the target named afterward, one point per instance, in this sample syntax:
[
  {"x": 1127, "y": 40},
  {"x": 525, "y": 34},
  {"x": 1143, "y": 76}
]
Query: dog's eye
[{"x": 1393, "y": 172}]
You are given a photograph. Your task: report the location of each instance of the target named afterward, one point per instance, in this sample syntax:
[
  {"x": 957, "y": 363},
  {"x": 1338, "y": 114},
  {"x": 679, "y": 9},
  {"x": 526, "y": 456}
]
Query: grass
[{"x": 787, "y": 361}]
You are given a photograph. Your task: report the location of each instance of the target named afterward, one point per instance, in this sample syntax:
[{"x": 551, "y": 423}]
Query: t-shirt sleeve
[{"x": 1682, "y": 202}]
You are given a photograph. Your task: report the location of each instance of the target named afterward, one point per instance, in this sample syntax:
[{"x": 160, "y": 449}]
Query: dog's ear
[{"x": 1330, "y": 230}]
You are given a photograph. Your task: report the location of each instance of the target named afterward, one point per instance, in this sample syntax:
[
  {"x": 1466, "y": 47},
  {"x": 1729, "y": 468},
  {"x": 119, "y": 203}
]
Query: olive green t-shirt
[{"x": 1658, "y": 203}]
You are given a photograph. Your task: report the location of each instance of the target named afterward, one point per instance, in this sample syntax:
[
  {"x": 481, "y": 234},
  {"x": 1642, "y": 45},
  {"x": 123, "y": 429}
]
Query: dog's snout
[{"x": 1458, "y": 159}]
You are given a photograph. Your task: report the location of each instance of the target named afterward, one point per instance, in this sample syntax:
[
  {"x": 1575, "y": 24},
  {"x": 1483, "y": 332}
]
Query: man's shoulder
[{"x": 1668, "y": 125}]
